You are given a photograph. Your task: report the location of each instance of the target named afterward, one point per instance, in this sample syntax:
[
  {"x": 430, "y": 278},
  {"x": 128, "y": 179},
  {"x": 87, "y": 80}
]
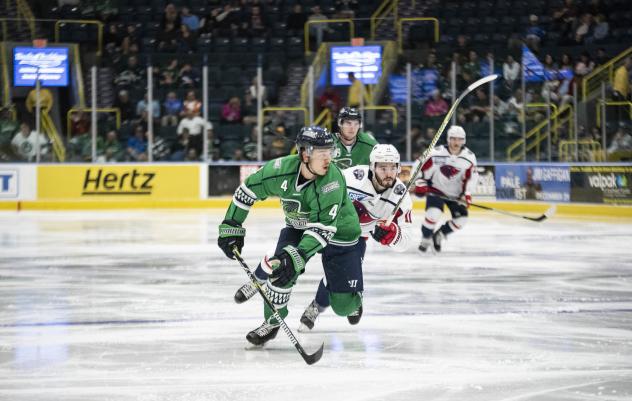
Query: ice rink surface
[{"x": 138, "y": 306}]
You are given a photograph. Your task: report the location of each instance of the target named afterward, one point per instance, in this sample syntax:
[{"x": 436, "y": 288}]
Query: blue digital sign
[
  {"x": 364, "y": 61},
  {"x": 49, "y": 65}
]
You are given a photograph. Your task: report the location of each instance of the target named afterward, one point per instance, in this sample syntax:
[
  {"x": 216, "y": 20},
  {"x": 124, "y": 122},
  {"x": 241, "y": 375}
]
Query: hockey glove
[
  {"x": 467, "y": 199},
  {"x": 231, "y": 234},
  {"x": 287, "y": 266},
  {"x": 384, "y": 234}
]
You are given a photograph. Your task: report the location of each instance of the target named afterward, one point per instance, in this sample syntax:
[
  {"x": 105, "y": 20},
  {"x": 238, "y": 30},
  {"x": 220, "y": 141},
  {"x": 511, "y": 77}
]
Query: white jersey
[
  {"x": 447, "y": 174},
  {"x": 372, "y": 206}
]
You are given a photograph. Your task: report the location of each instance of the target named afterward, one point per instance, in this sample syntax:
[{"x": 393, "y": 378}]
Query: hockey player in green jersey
[
  {"x": 319, "y": 217},
  {"x": 352, "y": 146}
]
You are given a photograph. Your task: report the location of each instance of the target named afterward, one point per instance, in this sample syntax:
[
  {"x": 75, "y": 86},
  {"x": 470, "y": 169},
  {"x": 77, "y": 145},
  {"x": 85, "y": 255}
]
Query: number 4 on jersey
[{"x": 333, "y": 211}]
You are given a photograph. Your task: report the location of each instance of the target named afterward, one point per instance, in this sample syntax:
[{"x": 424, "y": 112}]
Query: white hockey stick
[{"x": 434, "y": 141}]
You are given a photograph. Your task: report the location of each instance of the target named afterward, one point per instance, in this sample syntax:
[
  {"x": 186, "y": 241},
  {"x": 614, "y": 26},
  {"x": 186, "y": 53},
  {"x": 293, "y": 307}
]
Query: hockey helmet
[
  {"x": 456, "y": 131},
  {"x": 349, "y": 113},
  {"x": 384, "y": 153},
  {"x": 314, "y": 137}
]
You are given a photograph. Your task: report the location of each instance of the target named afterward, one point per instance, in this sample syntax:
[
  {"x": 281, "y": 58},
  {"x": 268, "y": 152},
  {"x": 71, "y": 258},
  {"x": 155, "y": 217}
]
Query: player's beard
[{"x": 383, "y": 184}]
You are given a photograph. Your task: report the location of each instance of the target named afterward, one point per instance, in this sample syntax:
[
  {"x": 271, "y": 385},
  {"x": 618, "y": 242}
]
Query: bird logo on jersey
[{"x": 449, "y": 171}]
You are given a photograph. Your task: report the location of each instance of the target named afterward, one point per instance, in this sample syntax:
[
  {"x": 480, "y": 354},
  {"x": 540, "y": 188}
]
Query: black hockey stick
[
  {"x": 549, "y": 212},
  {"x": 444, "y": 124},
  {"x": 310, "y": 359}
]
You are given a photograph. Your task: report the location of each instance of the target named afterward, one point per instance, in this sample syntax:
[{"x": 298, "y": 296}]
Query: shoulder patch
[
  {"x": 332, "y": 186},
  {"x": 399, "y": 189},
  {"x": 358, "y": 174},
  {"x": 277, "y": 163}
]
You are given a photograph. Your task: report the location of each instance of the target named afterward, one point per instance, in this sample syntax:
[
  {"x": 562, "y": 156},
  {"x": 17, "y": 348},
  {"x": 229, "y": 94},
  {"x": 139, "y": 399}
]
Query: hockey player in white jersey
[
  {"x": 375, "y": 191},
  {"x": 448, "y": 177}
]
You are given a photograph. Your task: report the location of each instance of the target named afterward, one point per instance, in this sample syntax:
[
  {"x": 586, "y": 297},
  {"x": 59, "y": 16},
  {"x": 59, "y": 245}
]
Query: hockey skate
[
  {"x": 437, "y": 239},
  {"x": 263, "y": 333},
  {"x": 245, "y": 292},
  {"x": 309, "y": 317},
  {"x": 355, "y": 317},
  {"x": 425, "y": 244}
]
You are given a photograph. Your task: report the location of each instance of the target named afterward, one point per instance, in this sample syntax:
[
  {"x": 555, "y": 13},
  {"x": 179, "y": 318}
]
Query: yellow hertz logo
[{"x": 128, "y": 183}]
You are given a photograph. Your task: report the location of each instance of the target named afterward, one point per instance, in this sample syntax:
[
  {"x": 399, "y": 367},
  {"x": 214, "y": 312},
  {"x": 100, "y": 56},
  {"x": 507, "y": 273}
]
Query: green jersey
[
  {"x": 320, "y": 206},
  {"x": 356, "y": 154}
]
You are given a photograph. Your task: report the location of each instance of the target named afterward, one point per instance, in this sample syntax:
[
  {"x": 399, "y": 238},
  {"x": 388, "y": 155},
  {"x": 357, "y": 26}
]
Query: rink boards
[{"x": 577, "y": 189}]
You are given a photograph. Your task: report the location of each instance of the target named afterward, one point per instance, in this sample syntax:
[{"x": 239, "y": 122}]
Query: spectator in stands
[
  {"x": 192, "y": 155},
  {"x": 516, "y": 104},
  {"x": 277, "y": 144},
  {"x": 196, "y": 126},
  {"x": 137, "y": 145},
  {"x": 171, "y": 16},
  {"x": 238, "y": 155},
  {"x": 191, "y": 103},
  {"x": 209, "y": 24},
  {"x": 79, "y": 123},
  {"x": 191, "y": 21},
  {"x": 187, "y": 41},
  {"x": 296, "y": 19},
  {"x": 600, "y": 31},
  {"x": 621, "y": 141},
  {"x": 142, "y": 105},
  {"x": 227, "y": 20},
  {"x": 479, "y": 108},
  {"x": 130, "y": 39},
  {"x": 256, "y": 23},
  {"x": 584, "y": 29},
  {"x": 564, "y": 20},
  {"x": 8, "y": 128},
  {"x": 567, "y": 62},
  {"x": 585, "y": 65},
  {"x": 25, "y": 144},
  {"x": 249, "y": 109},
  {"x": 436, "y": 106},
  {"x": 534, "y": 33},
  {"x": 124, "y": 104},
  {"x": 621, "y": 82},
  {"x": 172, "y": 107},
  {"x": 231, "y": 111},
  {"x": 356, "y": 94},
  {"x": 250, "y": 144},
  {"x": 169, "y": 76},
  {"x": 472, "y": 68},
  {"x": 111, "y": 149},
  {"x": 188, "y": 77},
  {"x": 253, "y": 90},
  {"x": 130, "y": 76},
  {"x": 113, "y": 37},
  {"x": 168, "y": 38},
  {"x": 601, "y": 57},
  {"x": 501, "y": 108},
  {"x": 317, "y": 31},
  {"x": 511, "y": 71},
  {"x": 462, "y": 46},
  {"x": 181, "y": 146},
  {"x": 330, "y": 99},
  {"x": 549, "y": 64}
]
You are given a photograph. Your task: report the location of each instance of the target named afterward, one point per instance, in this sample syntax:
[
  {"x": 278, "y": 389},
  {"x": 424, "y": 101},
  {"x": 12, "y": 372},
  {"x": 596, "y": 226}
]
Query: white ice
[{"x": 139, "y": 306}]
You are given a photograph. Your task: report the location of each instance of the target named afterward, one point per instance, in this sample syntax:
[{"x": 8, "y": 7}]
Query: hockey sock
[
  {"x": 322, "y": 296},
  {"x": 426, "y": 232},
  {"x": 280, "y": 298}
]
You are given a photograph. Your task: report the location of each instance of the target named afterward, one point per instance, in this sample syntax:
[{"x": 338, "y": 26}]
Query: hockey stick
[
  {"x": 309, "y": 359},
  {"x": 444, "y": 124},
  {"x": 549, "y": 212}
]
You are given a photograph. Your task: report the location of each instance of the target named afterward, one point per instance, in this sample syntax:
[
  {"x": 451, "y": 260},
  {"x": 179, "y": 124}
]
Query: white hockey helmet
[
  {"x": 456, "y": 131},
  {"x": 384, "y": 153}
]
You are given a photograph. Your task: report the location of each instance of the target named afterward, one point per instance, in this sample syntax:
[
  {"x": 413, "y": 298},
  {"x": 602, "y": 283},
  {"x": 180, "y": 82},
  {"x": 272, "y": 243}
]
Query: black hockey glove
[
  {"x": 287, "y": 266},
  {"x": 231, "y": 234}
]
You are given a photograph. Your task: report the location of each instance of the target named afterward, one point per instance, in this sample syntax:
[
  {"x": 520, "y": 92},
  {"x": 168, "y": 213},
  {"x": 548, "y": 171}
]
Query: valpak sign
[
  {"x": 607, "y": 184},
  {"x": 91, "y": 182},
  {"x": 49, "y": 65}
]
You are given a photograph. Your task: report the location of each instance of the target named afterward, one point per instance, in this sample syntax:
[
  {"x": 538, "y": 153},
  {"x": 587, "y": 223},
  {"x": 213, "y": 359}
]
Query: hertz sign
[{"x": 119, "y": 181}]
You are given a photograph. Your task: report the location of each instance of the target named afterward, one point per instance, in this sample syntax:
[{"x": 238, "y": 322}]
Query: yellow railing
[
  {"x": 48, "y": 126},
  {"x": 611, "y": 103},
  {"x": 401, "y": 21},
  {"x": 6, "y": 89},
  {"x": 381, "y": 14},
  {"x": 319, "y": 63},
  {"x": 272, "y": 109},
  {"x": 326, "y": 21},
  {"x": 587, "y": 150},
  {"x": 325, "y": 119},
  {"x": 553, "y": 114},
  {"x": 24, "y": 11},
  {"x": 385, "y": 107},
  {"x": 592, "y": 82},
  {"x": 115, "y": 110},
  {"x": 79, "y": 74},
  {"x": 99, "y": 25},
  {"x": 538, "y": 134}
]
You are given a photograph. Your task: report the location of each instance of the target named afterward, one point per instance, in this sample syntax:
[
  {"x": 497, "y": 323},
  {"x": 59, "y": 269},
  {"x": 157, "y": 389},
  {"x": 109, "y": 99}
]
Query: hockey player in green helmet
[{"x": 319, "y": 217}]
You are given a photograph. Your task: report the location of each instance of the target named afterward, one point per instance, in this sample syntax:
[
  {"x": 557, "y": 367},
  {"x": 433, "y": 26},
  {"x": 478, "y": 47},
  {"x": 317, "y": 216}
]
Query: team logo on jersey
[
  {"x": 359, "y": 174},
  {"x": 399, "y": 189},
  {"x": 449, "y": 171}
]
